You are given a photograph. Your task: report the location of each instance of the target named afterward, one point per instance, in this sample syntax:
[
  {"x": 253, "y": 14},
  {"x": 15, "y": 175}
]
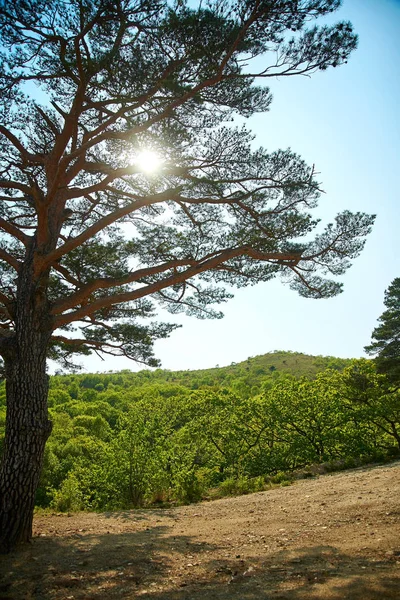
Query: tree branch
[
  {"x": 102, "y": 284},
  {"x": 8, "y": 258},
  {"x": 15, "y": 185},
  {"x": 19, "y": 146},
  {"x": 14, "y": 231},
  {"x": 177, "y": 278},
  {"x": 101, "y": 224}
]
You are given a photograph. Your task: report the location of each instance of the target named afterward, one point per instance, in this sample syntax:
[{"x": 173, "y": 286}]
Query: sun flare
[{"x": 149, "y": 161}]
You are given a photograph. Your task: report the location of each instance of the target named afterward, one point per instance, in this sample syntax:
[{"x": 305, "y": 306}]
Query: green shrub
[
  {"x": 241, "y": 485},
  {"x": 69, "y": 497},
  {"x": 281, "y": 478},
  {"x": 189, "y": 486}
]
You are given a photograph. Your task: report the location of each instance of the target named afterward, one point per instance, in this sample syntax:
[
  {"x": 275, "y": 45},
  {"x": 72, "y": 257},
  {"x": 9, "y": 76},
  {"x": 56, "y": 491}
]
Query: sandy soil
[{"x": 334, "y": 537}]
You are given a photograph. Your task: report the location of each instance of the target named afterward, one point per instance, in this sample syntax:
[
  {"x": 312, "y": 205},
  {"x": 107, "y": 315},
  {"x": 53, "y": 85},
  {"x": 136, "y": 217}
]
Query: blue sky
[{"x": 345, "y": 121}]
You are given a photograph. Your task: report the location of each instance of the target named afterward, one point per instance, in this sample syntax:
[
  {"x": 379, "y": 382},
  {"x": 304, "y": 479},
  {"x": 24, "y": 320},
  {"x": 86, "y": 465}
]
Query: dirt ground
[{"x": 332, "y": 538}]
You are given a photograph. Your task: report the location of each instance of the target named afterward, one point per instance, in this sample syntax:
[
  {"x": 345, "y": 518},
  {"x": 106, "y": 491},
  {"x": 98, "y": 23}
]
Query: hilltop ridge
[{"x": 253, "y": 369}]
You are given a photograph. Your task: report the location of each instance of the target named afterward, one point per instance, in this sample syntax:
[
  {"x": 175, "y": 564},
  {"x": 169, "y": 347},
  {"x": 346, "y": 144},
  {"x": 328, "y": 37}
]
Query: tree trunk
[
  {"x": 27, "y": 430},
  {"x": 27, "y": 424}
]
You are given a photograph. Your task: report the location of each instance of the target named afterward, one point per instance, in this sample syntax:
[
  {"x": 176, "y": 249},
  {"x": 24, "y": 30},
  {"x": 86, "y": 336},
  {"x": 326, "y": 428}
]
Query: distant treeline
[{"x": 130, "y": 439}]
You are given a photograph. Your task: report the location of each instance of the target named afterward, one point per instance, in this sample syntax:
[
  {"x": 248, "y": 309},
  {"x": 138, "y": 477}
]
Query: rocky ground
[{"x": 334, "y": 537}]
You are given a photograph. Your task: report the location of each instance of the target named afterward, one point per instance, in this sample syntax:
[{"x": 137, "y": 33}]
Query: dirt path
[{"x": 334, "y": 537}]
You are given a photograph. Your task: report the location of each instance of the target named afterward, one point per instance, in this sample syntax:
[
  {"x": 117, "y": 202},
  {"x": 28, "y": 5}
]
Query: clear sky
[{"x": 346, "y": 121}]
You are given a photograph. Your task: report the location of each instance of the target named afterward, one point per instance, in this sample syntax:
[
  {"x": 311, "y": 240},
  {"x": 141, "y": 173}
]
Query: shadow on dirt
[
  {"x": 91, "y": 566},
  {"x": 153, "y": 565},
  {"x": 139, "y": 514}
]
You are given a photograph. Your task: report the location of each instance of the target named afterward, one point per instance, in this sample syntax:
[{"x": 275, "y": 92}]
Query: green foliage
[
  {"x": 280, "y": 477},
  {"x": 96, "y": 426},
  {"x": 109, "y": 80},
  {"x": 372, "y": 401},
  {"x": 386, "y": 337},
  {"x": 241, "y": 485},
  {"x": 69, "y": 497},
  {"x": 160, "y": 437}
]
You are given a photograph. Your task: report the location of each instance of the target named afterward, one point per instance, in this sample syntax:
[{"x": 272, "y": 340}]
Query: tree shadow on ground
[
  {"x": 153, "y": 565},
  {"x": 311, "y": 573},
  {"x": 140, "y": 514},
  {"x": 92, "y": 566}
]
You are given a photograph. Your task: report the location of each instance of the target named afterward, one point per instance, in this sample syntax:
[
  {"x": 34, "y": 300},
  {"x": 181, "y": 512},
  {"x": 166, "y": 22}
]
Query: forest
[{"x": 156, "y": 437}]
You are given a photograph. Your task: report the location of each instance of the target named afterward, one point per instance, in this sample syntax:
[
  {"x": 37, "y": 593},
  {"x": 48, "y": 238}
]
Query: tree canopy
[
  {"x": 385, "y": 345},
  {"x": 86, "y": 87}
]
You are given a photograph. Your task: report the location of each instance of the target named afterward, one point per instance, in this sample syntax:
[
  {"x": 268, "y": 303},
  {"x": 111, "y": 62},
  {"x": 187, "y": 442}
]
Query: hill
[
  {"x": 330, "y": 538},
  {"x": 254, "y": 370}
]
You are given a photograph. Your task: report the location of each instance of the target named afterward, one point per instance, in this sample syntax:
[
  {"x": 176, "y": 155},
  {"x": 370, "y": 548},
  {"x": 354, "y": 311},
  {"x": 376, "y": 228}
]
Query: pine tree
[
  {"x": 94, "y": 238},
  {"x": 386, "y": 337}
]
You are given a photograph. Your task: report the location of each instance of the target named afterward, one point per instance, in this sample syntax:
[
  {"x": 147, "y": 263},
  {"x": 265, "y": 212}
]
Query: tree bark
[
  {"x": 27, "y": 430},
  {"x": 27, "y": 423}
]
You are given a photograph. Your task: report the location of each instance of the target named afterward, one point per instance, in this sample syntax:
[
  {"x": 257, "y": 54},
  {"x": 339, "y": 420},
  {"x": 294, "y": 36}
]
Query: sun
[{"x": 149, "y": 161}]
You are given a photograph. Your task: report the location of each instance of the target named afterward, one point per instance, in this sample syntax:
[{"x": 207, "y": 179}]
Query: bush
[
  {"x": 281, "y": 477},
  {"x": 189, "y": 486},
  {"x": 69, "y": 497},
  {"x": 241, "y": 485}
]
